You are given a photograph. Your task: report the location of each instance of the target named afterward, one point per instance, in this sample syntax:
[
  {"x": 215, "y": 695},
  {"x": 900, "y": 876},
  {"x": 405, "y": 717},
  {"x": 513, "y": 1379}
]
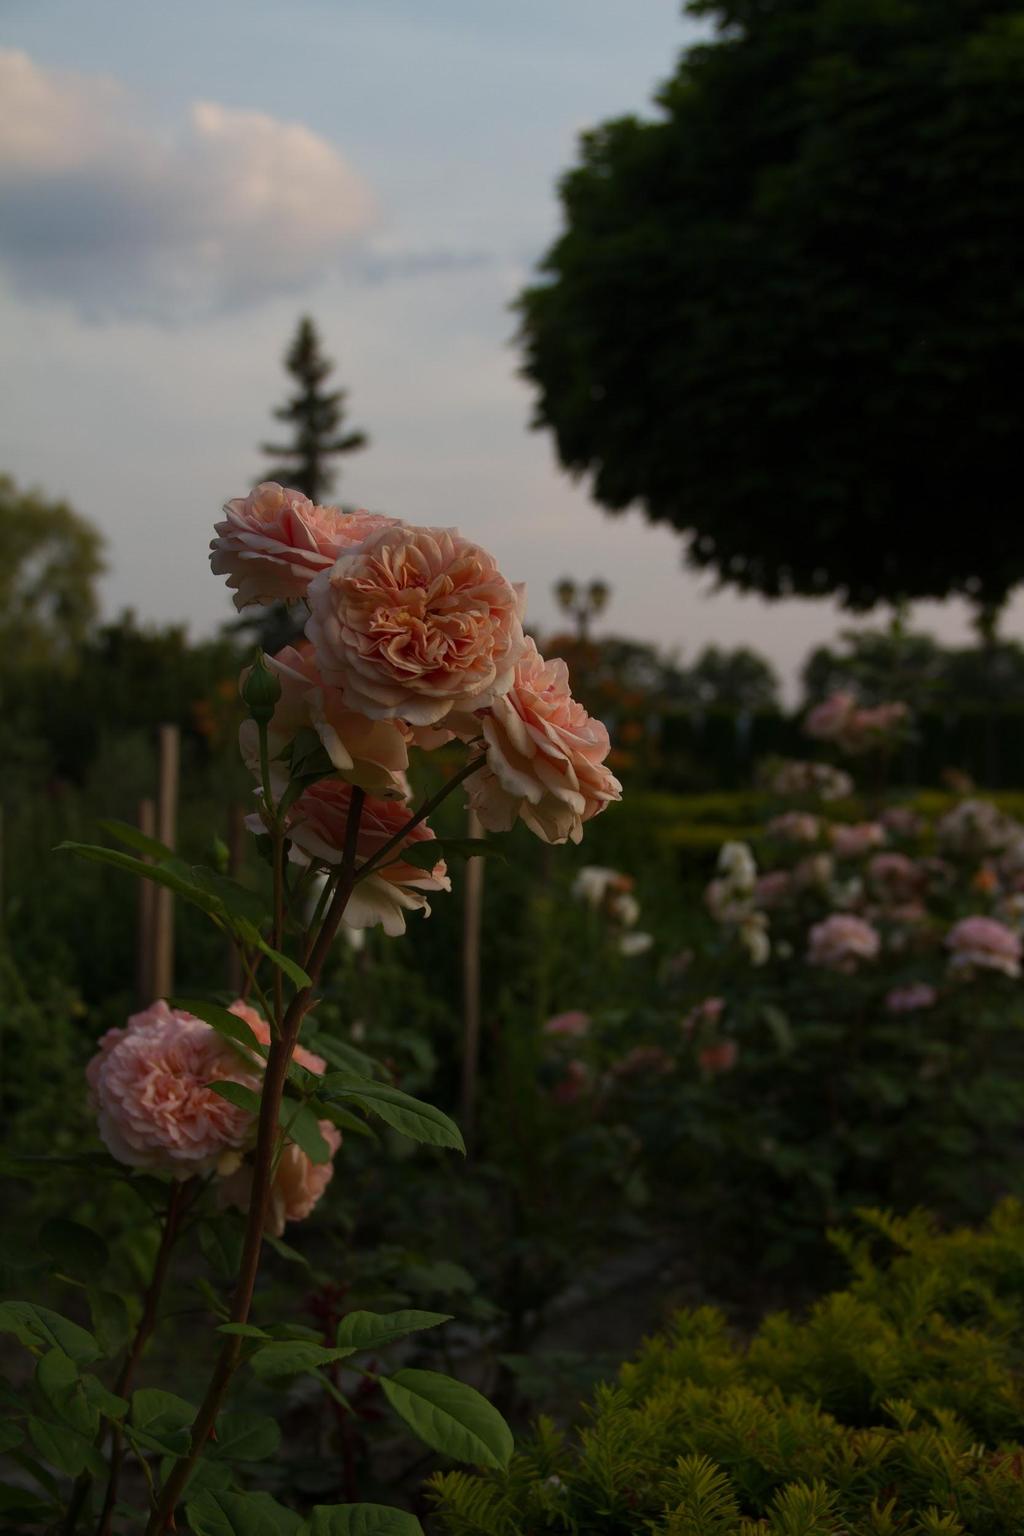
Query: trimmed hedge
[{"x": 896, "y": 1408}]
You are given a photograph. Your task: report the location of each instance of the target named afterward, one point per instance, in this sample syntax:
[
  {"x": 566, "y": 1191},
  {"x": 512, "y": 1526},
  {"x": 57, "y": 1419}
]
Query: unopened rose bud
[{"x": 261, "y": 689}]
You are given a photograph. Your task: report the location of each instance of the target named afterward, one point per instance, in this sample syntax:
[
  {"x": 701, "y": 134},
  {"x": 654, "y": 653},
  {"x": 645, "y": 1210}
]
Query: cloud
[{"x": 98, "y": 207}]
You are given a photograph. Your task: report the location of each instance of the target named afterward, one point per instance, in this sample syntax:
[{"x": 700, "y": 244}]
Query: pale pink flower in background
[
  {"x": 894, "y": 876},
  {"x": 984, "y": 943},
  {"x": 874, "y": 726},
  {"x": 416, "y": 623},
  {"x": 633, "y": 944},
  {"x": 317, "y": 824},
  {"x": 719, "y": 1057},
  {"x": 642, "y": 1059},
  {"x": 794, "y": 777},
  {"x": 149, "y": 1085},
  {"x": 261, "y": 1031},
  {"x": 977, "y": 827},
  {"x": 852, "y": 840},
  {"x": 707, "y": 1012},
  {"x": 371, "y": 753},
  {"x": 298, "y": 1183},
  {"x": 911, "y": 999},
  {"x": 570, "y": 1026},
  {"x": 545, "y": 757},
  {"x": 828, "y": 720},
  {"x": 795, "y": 827},
  {"x": 773, "y": 889},
  {"x": 815, "y": 871},
  {"x": 274, "y": 541},
  {"x": 575, "y": 1083},
  {"x": 841, "y": 942},
  {"x": 901, "y": 821}
]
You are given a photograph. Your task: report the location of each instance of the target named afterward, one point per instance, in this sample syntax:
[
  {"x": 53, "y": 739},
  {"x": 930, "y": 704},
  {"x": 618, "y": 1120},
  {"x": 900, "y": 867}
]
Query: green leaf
[
  {"x": 160, "y": 874},
  {"x": 63, "y": 1448},
  {"x": 223, "y": 1021},
  {"x": 242, "y": 1331},
  {"x": 76, "y": 1249},
  {"x": 300, "y": 1126},
  {"x": 294, "y": 972},
  {"x": 213, "y": 1513},
  {"x": 110, "y": 1320},
  {"x": 21, "y": 1501},
  {"x": 60, "y": 1386},
  {"x": 372, "y": 1330},
  {"x": 107, "y": 1403},
  {"x": 39, "y": 1328},
  {"x": 237, "y": 1094},
  {"x": 342, "y": 1118},
  {"x": 450, "y": 1417},
  {"x": 10, "y": 1436},
  {"x": 288, "y": 1359},
  {"x": 245, "y": 1437},
  {"x": 362, "y": 1520},
  {"x": 160, "y": 1421},
  {"x": 221, "y": 1238},
  {"x": 285, "y": 1250},
  {"x": 412, "y": 1117},
  {"x": 124, "y": 832},
  {"x": 340, "y": 1054}
]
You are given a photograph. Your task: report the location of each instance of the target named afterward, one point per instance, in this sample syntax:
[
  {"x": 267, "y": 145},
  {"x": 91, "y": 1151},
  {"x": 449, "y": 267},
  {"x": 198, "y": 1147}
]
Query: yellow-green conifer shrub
[{"x": 894, "y": 1408}]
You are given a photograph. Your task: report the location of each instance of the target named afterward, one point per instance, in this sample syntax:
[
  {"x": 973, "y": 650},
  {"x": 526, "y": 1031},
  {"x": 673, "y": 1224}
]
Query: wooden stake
[
  {"x": 146, "y": 818},
  {"x": 472, "y": 916},
  {"x": 167, "y": 828}
]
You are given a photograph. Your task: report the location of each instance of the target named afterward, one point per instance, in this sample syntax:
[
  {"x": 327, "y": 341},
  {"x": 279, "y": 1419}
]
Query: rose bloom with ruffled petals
[
  {"x": 570, "y": 1026},
  {"x": 317, "y": 824},
  {"x": 773, "y": 889},
  {"x": 841, "y": 942},
  {"x": 827, "y": 721},
  {"x": 545, "y": 757},
  {"x": 274, "y": 541},
  {"x": 371, "y": 753},
  {"x": 911, "y": 999},
  {"x": 984, "y": 943},
  {"x": 415, "y": 623},
  {"x": 795, "y": 827},
  {"x": 261, "y": 1030},
  {"x": 895, "y": 876},
  {"x": 298, "y": 1183},
  {"x": 149, "y": 1085},
  {"x": 852, "y": 840}
]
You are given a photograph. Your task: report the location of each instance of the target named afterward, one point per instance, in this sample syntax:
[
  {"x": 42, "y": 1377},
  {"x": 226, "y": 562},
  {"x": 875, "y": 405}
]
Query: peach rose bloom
[
  {"x": 415, "y": 623},
  {"x": 984, "y": 943},
  {"x": 149, "y": 1085},
  {"x": 298, "y": 1183},
  {"x": 261, "y": 1029},
  {"x": 568, "y": 1025},
  {"x": 371, "y": 753},
  {"x": 274, "y": 541},
  {"x": 841, "y": 942},
  {"x": 545, "y": 757},
  {"x": 317, "y": 824}
]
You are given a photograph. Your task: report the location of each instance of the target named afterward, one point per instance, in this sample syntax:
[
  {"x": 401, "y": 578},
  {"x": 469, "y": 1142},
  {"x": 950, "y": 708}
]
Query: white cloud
[{"x": 100, "y": 208}]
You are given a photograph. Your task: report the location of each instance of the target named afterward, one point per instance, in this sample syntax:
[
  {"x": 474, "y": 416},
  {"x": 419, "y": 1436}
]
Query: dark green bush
[{"x": 895, "y": 1406}]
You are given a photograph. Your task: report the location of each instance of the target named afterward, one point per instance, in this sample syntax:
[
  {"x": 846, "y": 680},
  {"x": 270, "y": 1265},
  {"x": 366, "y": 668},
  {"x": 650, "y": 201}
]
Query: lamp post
[{"x": 581, "y": 603}]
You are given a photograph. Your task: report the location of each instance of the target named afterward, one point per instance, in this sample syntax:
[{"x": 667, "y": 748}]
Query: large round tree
[{"x": 787, "y": 315}]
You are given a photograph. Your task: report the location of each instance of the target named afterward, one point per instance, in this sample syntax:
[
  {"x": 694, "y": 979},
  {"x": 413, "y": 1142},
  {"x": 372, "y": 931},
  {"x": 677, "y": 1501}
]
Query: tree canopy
[
  {"x": 50, "y": 559},
  {"x": 786, "y": 316}
]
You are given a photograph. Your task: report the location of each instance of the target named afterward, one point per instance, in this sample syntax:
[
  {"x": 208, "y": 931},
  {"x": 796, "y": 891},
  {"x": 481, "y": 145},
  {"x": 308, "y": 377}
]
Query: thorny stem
[
  {"x": 177, "y": 1204},
  {"x": 275, "y": 1074}
]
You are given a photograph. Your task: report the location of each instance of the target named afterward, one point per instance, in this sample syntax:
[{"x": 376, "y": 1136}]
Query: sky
[{"x": 178, "y": 183}]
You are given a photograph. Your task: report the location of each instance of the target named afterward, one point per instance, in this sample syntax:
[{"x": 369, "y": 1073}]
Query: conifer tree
[{"x": 317, "y": 417}]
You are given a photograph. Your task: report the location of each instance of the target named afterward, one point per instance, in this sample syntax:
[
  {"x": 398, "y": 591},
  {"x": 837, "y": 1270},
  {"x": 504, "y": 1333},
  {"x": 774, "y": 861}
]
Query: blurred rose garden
[{"x": 475, "y": 1075}]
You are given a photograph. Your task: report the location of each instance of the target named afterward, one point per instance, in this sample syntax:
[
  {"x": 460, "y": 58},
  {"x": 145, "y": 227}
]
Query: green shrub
[{"x": 895, "y": 1406}]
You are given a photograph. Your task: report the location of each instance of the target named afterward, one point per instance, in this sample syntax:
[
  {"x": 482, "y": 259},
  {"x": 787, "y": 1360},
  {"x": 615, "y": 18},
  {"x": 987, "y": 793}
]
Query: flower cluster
[
  {"x": 153, "y": 1087},
  {"x": 842, "y": 942},
  {"x": 610, "y": 893},
  {"x": 414, "y": 638},
  {"x": 797, "y": 779},
  {"x": 856, "y": 728},
  {"x": 732, "y": 900}
]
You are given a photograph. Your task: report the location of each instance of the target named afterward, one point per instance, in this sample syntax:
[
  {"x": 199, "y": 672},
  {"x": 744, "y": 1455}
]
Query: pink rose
[
  {"x": 274, "y": 541},
  {"x": 911, "y": 999},
  {"x": 827, "y": 721},
  {"x": 984, "y": 943},
  {"x": 570, "y": 1026},
  {"x": 867, "y": 728},
  {"x": 261, "y": 1029},
  {"x": 298, "y": 1183},
  {"x": 149, "y": 1085},
  {"x": 644, "y": 1058},
  {"x": 817, "y": 870},
  {"x": 895, "y": 876},
  {"x": 795, "y": 827},
  {"x": 773, "y": 889},
  {"x": 545, "y": 757},
  {"x": 901, "y": 821},
  {"x": 371, "y": 753},
  {"x": 841, "y": 942},
  {"x": 574, "y": 1084},
  {"x": 415, "y": 623},
  {"x": 720, "y": 1057},
  {"x": 707, "y": 1012},
  {"x": 854, "y": 840},
  {"x": 317, "y": 824}
]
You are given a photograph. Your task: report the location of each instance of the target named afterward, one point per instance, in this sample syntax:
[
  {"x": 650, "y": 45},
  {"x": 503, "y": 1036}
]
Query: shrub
[{"x": 895, "y": 1406}]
